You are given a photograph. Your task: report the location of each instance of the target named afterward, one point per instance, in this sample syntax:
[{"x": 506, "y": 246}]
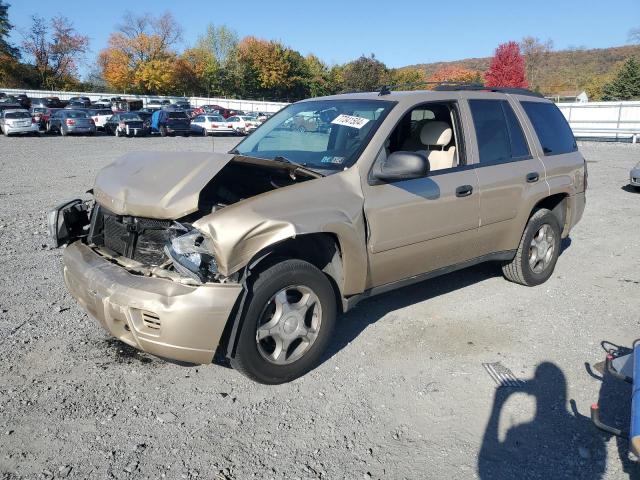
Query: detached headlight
[{"x": 192, "y": 256}]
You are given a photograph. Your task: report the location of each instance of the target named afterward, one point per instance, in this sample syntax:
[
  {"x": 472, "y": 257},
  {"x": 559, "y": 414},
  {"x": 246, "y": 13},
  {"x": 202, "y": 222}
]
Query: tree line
[{"x": 143, "y": 56}]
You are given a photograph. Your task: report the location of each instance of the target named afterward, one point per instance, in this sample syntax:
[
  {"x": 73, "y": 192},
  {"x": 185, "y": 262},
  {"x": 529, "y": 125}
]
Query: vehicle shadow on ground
[
  {"x": 630, "y": 189},
  {"x": 350, "y": 325},
  {"x": 555, "y": 444},
  {"x": 614, "y": 400}
]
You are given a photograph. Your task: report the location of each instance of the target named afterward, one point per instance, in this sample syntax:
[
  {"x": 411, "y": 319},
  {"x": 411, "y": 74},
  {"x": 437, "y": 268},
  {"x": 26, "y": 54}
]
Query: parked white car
[
  {"x": 17, "y": 121},
  {"x": 100, "y": 116},
  {"x": 242, "y": 124},
  {"x": 211, "y": 124}
]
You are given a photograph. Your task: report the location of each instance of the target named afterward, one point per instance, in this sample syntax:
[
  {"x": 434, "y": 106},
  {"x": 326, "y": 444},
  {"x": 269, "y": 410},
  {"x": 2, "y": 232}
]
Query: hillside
[{"x": 564, "y": 71}]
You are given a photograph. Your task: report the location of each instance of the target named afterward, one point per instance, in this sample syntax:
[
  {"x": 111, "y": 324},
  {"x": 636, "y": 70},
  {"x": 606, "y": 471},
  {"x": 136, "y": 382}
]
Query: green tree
[
  {"x": 319, "y": 77},
  {"x": 364, "y": 74},
  {"x": 217, "y": 52},
  {"x": 626, "y": 84}
]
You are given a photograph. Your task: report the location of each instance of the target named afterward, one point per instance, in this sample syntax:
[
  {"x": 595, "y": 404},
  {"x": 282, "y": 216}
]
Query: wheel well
[
  {"x": 557, "y": 205},
  {"x": 319, "y": 249}
]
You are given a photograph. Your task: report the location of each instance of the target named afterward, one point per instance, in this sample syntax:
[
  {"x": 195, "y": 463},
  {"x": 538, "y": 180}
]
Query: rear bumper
[
  {"x": 76, "y": 129},
  {"x": 158, "y": 316},
  {"x": 31, "y": 128},
  {"x": 577, "y": 204}
]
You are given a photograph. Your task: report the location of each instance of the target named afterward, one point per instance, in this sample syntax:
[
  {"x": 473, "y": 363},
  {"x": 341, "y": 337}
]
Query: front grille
[{"x": 142, "y": 239}]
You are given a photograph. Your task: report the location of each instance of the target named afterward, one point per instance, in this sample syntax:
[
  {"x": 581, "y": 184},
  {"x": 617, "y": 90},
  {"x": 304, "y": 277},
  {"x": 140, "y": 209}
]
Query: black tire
[
  {"x": 163, "y": 131},
  {"x": 519, "y": 269},
  {"x": 62, "y": 132},
  {"x": 248, "y": 360}
]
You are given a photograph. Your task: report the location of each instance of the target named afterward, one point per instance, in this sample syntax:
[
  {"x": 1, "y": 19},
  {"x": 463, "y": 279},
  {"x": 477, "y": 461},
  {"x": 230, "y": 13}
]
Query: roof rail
[{"x": 452, "y": 86}]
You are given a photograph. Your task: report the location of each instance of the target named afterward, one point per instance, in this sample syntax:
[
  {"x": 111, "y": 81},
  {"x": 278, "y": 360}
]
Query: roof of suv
[{"x": 411, "y": 96}]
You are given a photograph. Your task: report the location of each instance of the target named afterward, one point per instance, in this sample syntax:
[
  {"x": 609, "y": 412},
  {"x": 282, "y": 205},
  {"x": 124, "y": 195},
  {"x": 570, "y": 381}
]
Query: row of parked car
[{"x": 121, "y": 117}]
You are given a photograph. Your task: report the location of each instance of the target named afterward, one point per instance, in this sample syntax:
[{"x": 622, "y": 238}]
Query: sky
[{"x": 399, "y": 33}]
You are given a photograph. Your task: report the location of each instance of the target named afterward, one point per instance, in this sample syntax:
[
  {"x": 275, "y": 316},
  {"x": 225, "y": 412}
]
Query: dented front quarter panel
[
  {"x": 163, "y": 185},
  {"x": 332, "y": 204}
]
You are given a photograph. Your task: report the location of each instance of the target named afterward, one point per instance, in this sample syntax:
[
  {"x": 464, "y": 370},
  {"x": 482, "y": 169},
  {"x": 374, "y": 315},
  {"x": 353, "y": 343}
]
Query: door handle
[
  {"x": 464, "y": 191},
  {"x": 533, "y": 177}
]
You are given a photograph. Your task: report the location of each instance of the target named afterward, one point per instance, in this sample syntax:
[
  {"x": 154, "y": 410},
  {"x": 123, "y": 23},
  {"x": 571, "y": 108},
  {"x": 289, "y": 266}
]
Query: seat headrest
[{"x": 436, "y": 133}]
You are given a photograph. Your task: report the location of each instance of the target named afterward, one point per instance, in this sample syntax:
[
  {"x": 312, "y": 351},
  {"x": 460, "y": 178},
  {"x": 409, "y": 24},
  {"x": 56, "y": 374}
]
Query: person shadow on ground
[{"x": 555, "y": 444}]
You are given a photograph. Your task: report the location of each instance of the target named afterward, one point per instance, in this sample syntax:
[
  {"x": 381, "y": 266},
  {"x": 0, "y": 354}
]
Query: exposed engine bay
[{"x": 151, "y": 246}]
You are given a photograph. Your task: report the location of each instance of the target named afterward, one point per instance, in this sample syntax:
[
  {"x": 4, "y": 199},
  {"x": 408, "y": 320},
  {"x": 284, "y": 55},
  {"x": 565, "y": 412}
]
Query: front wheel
[
  {"x": 538, "y": 251},
  {"x": 287, "y": 324}
]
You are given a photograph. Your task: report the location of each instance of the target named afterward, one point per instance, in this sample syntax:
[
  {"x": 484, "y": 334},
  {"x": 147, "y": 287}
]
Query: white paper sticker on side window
[{"x": 350, "y": 121}]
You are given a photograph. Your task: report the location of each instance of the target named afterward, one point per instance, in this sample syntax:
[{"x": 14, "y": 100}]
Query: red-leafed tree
[{"x": 507, "y": 68}]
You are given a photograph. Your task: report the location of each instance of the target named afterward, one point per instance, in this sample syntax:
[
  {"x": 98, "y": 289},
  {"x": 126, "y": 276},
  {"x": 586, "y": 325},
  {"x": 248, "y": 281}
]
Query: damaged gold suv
[{"x": 252, "y": 254}]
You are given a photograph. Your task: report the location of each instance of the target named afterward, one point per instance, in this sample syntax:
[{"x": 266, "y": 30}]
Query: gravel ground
[{"x": 401, "y": 394}]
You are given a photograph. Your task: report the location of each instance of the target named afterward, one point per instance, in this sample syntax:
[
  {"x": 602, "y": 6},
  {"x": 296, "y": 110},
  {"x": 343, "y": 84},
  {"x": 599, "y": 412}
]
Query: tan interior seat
[{"x": 435, "y": 136}]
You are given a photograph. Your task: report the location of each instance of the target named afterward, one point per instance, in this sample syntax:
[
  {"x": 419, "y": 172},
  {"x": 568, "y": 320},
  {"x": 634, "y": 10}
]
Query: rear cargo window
[
  {"x": 180, "y": 115},
  {"x": 551, "y": 127},
  {"x": 499, "y": 134},
  {"x": 18, "y": 115}
]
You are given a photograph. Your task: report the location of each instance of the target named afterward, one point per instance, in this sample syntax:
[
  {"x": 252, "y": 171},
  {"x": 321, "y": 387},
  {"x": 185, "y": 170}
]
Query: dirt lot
[{"x": 402, "y": 393}]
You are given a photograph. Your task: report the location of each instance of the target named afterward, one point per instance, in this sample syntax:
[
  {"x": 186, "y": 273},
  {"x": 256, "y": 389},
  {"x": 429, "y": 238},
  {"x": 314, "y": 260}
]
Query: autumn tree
[
  {"x": 407, "y": 78},
  {"x": 507, "y": 68},
  {"x": 9, "y": 55},
  {"x": 140, "y": 56},
  {"x": 455, "y": 73},
  {"x": 217, "y": 60},
  {"x": 536, "y": 54},
  {"x": 319, "y": 79},
  {"x": 364, "y": 74},
  {"x": 270, "y": 69},
  {"x": 626, "y": 84},
  {"x": 55, "y": 49}
]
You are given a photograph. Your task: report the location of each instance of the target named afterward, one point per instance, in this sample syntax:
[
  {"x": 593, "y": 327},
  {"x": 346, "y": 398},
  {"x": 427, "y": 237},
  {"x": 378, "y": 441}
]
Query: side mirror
[{"x": 402, "y": 166}]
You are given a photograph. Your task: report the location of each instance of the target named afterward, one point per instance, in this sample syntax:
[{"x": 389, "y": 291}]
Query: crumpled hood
[{"x": 163, "y": 185}]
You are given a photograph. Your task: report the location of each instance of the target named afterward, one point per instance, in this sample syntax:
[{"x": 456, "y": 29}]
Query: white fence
[
  {"x": 246, "y": 105},
  {"x": 606, "y": 120}
]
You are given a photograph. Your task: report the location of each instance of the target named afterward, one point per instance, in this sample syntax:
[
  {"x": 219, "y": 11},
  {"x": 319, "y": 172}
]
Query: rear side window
[
  {"x": 551, "y": 127},
  {"x": 499, "y": 134}
]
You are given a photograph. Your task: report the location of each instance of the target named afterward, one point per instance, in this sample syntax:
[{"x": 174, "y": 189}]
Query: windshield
[{"x": 321, "y": 135}]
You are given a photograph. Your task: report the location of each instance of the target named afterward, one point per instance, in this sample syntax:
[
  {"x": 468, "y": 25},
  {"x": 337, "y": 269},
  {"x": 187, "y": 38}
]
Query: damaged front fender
[{"x": 332, "y": 204}]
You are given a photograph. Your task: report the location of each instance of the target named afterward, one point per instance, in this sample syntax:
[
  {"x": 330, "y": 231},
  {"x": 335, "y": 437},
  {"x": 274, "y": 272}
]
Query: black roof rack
[
  {"x": 452, "y": 86},
  {"x": 458, "y": 86}
]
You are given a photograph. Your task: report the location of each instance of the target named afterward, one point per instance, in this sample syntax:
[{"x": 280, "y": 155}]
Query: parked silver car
[
  {"x": 17, "y": 121},
  {"x": 634, "y": 177},
  {"x": 71, "y": 121}
]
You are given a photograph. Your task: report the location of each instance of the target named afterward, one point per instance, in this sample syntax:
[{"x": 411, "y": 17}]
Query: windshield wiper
[{"x": 301, "y": 166}]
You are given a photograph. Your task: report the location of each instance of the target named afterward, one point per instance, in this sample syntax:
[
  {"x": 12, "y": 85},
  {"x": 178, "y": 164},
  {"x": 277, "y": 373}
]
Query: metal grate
[{"x": 502, "y": 375}]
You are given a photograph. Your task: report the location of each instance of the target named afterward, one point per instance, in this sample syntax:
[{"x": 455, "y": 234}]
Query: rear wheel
[
  {"x": 62, "y": 131},
  {"x": 163, "y": 131},
  {"x": 116, "y": 132},
  {"x": 538, "y": 251},
  {"x": 287, "y": 324}
]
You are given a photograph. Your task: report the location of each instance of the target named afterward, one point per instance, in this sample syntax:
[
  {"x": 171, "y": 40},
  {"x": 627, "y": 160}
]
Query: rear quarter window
[{"x": 551, "y": 127}]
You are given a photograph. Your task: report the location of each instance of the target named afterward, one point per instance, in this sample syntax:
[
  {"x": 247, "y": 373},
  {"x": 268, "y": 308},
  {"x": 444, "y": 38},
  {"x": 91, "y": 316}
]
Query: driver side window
[{"x": 431, "y": 129}]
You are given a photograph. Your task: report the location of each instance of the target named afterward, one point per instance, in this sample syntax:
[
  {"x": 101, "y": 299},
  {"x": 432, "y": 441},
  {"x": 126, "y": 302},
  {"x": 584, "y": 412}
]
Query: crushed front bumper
[{"x": 159, "y": 316}]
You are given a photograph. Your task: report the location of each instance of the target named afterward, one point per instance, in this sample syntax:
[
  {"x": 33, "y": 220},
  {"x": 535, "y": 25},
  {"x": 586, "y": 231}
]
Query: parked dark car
[
  {"x": 182, "y": 105},
  {"x": 76, "y": 105},
  {"x": 127, "y": 125},
  {"x": 170, "y": 122},
  {"x": 47, "y": 102},
  {"x": 66, "y": 122},
  {"x": 85, "y": 101},
  {"x": 145, "y": 113}
]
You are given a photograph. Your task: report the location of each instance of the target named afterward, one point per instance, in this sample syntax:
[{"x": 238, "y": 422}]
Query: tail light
[
  {"x": 214, "y": 125},
  {"x": 70, "y": 121},
  {"x": 34, "y": 120},
  {"x": 95, "y": 119}
]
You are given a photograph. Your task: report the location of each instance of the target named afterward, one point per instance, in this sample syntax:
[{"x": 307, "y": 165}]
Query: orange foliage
[{"x": 453, "y": 73}]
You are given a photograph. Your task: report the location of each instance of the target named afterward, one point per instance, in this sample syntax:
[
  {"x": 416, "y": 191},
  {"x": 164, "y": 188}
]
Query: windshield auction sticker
[{"x": 350, "y": 121}]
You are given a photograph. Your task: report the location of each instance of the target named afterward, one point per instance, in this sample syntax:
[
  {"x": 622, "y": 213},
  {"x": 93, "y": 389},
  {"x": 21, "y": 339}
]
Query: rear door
[{"x": 511, "y": 176}]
